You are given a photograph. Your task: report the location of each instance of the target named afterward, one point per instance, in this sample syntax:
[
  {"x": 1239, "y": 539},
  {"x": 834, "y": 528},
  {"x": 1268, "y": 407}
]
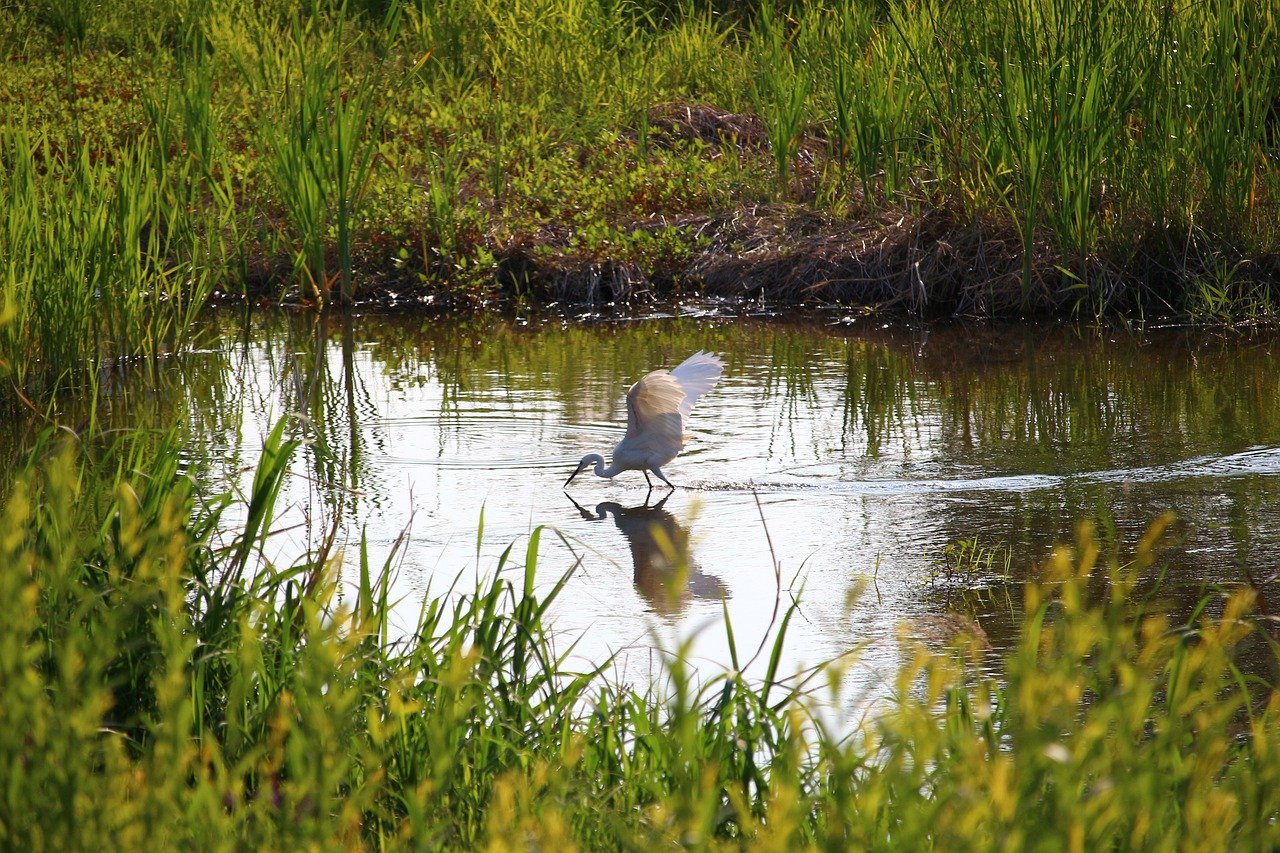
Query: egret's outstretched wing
[
  {"x": 697, "y": 375},
  {"x": 654, "y": 422},
  {"x": 659, "y": 404}
]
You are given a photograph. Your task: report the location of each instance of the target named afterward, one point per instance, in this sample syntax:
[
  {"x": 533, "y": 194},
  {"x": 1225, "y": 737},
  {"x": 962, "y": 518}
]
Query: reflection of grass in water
[
  {"x": 1047, "y": 393},
  {"x": 182, "y": 692},
  {"x": 1047, "y": 401},
  {"x": 990, "y": 401}
]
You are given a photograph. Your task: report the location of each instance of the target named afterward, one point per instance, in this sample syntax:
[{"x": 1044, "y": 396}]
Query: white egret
[{"x": 658, "y": 408}]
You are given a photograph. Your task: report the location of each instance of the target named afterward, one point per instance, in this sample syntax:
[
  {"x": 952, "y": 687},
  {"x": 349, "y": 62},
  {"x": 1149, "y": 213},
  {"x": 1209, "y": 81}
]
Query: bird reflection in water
[{"x": 665, "y": 573}]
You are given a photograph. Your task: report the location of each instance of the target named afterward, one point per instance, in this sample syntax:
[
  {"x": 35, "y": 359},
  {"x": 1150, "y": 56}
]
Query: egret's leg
[{"x": 663, "y": 477}]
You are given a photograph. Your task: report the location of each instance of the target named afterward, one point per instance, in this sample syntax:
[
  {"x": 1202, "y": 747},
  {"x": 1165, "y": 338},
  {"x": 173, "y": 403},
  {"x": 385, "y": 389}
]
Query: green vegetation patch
[
  {"x": 976, "y": 157},
  {"x": 164, "y": 687}
]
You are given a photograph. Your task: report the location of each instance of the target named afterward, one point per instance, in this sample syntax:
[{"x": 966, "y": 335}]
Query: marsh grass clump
[
  {"x": 103, "y": 262},
  {"x": 321, "y": 139},
  {"x": 165, "y": 688}
]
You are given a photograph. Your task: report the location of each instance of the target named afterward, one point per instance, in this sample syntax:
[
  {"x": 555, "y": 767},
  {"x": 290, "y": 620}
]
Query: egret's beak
[{"x": 571, "y": 476}]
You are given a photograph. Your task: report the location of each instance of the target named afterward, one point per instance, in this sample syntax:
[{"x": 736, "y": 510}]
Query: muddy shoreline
[
  {"x": 918, "y": 257},
  {"x": 934, "y": 264}
]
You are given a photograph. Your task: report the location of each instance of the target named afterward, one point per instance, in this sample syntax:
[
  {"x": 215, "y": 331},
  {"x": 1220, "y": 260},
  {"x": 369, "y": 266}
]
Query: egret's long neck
[
  {"x": 611, "y": 471},
  {"x": 600, "y": 469}
]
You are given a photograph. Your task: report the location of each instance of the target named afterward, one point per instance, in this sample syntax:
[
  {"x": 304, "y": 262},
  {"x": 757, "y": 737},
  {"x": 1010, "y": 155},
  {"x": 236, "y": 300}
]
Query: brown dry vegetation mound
[
  {"x": 706, "y": 124},
  {"x": 926, "y": 263}
]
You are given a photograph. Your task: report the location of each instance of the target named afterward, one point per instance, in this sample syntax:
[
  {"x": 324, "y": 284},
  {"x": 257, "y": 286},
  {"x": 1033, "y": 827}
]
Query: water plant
[
  {"x": 164, "y": 689},
  {"x": 870, "y": 98},
  {"x": 323, "y": 138},
  {"x": 782, "y": 89},
  {"x": 102, "y": 262}
]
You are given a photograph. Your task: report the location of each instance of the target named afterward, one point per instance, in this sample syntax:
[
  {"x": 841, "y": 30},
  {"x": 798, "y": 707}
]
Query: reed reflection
[{"x": 664, "y": 571}]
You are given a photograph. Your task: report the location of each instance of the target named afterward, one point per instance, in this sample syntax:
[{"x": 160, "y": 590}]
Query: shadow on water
[{"x": 664, "y": 570}]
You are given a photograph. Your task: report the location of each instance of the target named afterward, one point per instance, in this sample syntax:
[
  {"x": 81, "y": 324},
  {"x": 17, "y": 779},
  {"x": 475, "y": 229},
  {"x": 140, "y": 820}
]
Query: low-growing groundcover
[
  {"x": 978, "y": 157},
  {"x": 162, "y": 691}
]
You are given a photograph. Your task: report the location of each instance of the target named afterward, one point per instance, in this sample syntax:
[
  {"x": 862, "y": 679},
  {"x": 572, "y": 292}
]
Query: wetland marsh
[
  {"x": 308, "y": 307},
  {"x": 903, "y": 476}
]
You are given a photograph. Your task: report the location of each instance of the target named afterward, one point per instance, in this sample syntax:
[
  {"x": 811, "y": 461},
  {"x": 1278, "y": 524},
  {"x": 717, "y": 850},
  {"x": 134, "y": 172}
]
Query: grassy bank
[
  {"x": 163, "y": 688},
  {"x": 974, "y": 157}
]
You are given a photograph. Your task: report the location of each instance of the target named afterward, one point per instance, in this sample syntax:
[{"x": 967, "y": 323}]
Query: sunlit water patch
[{"x": 900, "y": 483}]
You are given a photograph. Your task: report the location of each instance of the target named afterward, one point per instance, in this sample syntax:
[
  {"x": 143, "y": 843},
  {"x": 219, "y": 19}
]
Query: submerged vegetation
[{"x": 165, "y": 688}]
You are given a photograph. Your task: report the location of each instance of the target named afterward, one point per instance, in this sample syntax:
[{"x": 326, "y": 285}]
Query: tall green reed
[
  {"x": 185, "y": 127},
  {"x": 782, "y": 88},
  {"x": 871, "y": 96},
  {"x": 578, "y": 68},
  {"x": 67, "y": 20},
  {"x": 322, "y": 138},
  {"x": 101, "y": 262},
  {"x": 147, "y": 667},
  {"x": 1223, "y": 70},
  {"x": 1048, "y": 85},
  {"x": 1073, "y": 116},
  {"x": 443, "y": 214}
]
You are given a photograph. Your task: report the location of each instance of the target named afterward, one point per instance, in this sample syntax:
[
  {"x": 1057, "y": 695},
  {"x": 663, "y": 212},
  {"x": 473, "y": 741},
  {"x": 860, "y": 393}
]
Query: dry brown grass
[
  {"x": 706, "y": 124},
  {"x": 931, "y": 263}
]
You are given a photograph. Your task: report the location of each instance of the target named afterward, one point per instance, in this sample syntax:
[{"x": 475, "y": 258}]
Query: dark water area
[{"x": 907, "y": 480}]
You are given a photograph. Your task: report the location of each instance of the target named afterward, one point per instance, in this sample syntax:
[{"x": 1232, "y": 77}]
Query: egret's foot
[{"x": 663, "y": 477}]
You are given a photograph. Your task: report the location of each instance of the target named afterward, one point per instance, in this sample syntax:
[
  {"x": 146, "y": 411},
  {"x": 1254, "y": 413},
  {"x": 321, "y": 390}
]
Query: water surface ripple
[{"x": 862, "y": 458}]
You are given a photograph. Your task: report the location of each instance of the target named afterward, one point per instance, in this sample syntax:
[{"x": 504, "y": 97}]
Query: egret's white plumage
[{"x": 658, "y": 408}]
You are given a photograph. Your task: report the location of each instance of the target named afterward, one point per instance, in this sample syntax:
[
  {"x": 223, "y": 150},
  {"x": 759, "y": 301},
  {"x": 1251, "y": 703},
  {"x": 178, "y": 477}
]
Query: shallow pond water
[{"x": 873, "y": 463}]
